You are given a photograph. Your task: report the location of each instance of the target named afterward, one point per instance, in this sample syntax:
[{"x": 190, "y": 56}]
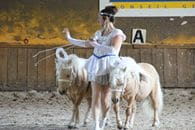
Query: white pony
[
  {"x": 72, "y": 80},
  {"x": 135, "y": 82}
]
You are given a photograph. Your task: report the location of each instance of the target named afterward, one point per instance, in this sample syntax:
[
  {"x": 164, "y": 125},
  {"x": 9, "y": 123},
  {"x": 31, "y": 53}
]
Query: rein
[
  {"x": 68, "y": 46},
  {"x": 46, "y": 50}
]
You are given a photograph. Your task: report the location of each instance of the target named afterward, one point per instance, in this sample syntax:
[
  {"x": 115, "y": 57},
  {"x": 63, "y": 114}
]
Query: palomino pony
[
  {"x": 72, "y": 81},
  {"x": 135, "y": 82}
]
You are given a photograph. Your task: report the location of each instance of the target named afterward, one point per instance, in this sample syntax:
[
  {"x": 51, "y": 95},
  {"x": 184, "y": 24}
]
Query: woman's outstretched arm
[{"x": 77, "y": 42}]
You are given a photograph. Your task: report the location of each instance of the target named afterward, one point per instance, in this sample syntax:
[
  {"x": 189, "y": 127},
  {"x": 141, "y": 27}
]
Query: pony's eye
[{"x": 119, "y": 82}]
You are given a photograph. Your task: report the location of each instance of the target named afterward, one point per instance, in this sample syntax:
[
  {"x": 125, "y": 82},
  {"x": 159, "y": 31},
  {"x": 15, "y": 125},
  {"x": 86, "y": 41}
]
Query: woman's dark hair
[{"x": 109, "y": 11}]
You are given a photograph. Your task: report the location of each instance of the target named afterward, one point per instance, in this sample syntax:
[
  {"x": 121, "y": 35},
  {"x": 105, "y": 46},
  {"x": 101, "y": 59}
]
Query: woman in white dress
[{"x": 107, "y": 43}]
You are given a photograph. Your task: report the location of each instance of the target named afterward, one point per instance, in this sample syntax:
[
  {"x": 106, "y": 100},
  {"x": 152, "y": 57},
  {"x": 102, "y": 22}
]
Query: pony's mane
[
  {"x": 130, "y": 64},
  {"x": 133, "y": 67},
  {"x": 74, "y": 62},
  {"x": 78, "y": 65}
]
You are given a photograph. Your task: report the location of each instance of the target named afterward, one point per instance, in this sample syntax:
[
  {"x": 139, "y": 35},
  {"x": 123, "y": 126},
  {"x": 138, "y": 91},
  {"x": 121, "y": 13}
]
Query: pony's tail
[
  {"x": 159, "y": 97},
  {"x": 148, "y": 104}
]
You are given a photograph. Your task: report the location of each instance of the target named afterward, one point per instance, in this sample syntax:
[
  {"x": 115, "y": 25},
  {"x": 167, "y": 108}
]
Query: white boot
[{"x": 96, "y": 126}]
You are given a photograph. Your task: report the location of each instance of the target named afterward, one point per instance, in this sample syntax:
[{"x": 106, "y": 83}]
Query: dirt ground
[{"x": 51, "y": 111}]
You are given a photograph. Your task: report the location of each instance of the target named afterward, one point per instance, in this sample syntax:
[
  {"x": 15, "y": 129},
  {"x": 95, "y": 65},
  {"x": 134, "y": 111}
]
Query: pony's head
[
  {"x": 66, "y": 78},
  {"x": 65, "y": 74},
  {"x": 122, "y": 75},
  {"x": 117, "y": 82},
  {"x": 70, "y": 71}
]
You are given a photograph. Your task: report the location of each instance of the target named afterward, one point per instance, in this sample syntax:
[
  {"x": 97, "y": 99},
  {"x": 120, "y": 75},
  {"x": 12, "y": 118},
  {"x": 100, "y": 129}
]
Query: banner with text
[{"x": 152, "y": 8}]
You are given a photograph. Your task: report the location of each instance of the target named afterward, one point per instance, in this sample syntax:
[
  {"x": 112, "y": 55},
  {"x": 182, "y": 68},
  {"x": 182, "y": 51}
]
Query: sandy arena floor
[{"x": 51, "y": 111}]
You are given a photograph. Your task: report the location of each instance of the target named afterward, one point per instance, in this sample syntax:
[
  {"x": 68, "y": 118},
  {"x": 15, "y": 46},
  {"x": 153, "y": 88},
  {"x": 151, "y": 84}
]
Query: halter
[
  {"x": 123, "y": 88},
  {"x": 69, "y": 81},
  {"x": 120, "y": 90},
  {"x": 63, "y": 80}
]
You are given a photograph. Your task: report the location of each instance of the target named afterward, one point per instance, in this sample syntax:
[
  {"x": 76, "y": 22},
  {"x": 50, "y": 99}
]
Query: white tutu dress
[{"x": 99, "y": 63}]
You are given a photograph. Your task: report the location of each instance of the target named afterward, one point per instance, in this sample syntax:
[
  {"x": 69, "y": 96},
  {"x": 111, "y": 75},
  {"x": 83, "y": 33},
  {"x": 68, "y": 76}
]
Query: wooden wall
[{"x": 175, "y": 64}]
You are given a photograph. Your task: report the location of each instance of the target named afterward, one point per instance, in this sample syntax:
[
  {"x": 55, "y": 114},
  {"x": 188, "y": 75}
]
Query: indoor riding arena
[{"x": 31, "y": 31}]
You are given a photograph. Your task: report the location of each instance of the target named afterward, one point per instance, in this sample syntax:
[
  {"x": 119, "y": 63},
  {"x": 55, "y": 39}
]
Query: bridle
[
  {"x": 65, "y": 80},
  {"x": 122, "y": 90},
  {"x": 71, "y": 78}
]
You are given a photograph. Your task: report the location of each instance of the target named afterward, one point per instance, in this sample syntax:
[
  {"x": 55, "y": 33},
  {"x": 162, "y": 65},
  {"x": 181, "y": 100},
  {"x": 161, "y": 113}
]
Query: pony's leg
[
  {"x": 129, "y": 112},
  {"x": 88, "y": 111},
  {"x": 105, "y": 104},
  {"x": 96, "y": 94},
  {"x": 134, "y": 107},
  {"x": 156, "y": 121},
  {"x": 71, "y": 123},
  {"x": 76, "y": 125},
  {"x": 117, "y": 110},
  {"x": 74, "y": 118}
]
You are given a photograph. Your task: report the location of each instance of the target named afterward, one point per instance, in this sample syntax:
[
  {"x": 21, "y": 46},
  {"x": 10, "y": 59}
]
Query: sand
[{"x": 51, "y": 111}]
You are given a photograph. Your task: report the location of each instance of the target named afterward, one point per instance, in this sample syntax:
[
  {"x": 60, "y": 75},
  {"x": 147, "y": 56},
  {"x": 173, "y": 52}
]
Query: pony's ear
[
  {"x": 142, "y": 77},
  {"x": 112, "y": 67},
  {"x": 69, "y": 62},
  {"x": 124, "y": 68},
  {"x": 114, "y": 64}
]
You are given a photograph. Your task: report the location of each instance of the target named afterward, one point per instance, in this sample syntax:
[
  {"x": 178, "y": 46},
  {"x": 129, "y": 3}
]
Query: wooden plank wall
[
  {"x": 19, "y": 73},
  {"x": 175, "y": 64}
]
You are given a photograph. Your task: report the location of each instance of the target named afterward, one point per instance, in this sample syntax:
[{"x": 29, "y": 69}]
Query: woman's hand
[
  {"x": 93, "y": 43},
  {"x": 67, "y": 33}
]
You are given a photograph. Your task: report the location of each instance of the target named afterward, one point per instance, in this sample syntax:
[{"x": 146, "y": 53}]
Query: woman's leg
[
  {"x": 105, "y": 103},
  {"x": 96, "y": 94}
]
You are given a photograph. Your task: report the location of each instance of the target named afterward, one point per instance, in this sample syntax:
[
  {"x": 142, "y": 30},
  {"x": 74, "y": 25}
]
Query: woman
[{"x": 107, "y": 43}]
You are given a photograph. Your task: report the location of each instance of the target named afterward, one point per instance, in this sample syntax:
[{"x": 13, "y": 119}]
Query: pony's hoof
[
  {"x": 85, "y": 124},
  {"x": 119, "y": 127},
  {"x": 127, "y": 126},
  {"x": 156, "y": 124},
  {"x": 70, "y": 127},
  {"x": 76, "y": 126},
  {"x": 107, "y": 123},
  {"x": 73, "y": 127}
]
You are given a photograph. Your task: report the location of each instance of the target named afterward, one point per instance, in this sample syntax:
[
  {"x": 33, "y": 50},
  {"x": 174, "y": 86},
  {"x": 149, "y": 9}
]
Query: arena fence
[{"x": 175, "y": 64}]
